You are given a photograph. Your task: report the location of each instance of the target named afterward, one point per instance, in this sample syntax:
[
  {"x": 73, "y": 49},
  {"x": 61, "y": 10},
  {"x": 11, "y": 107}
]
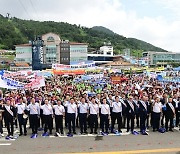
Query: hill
[
  {"x": 16, "y": 31},
  {"x": 103, "y": 29}
]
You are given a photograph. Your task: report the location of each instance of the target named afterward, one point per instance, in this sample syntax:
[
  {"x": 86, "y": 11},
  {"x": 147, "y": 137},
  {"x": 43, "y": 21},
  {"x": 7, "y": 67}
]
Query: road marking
[
  {"x": 5, "y": 144},
  {"x": 134, "y": 151}
]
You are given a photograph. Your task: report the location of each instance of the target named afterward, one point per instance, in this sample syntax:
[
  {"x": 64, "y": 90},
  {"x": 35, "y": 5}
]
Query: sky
[{"x": 154, "y": 21}]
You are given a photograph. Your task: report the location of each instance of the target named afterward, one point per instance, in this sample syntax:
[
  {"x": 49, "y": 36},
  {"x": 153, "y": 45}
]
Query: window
[{"x": 50, "y": 39}]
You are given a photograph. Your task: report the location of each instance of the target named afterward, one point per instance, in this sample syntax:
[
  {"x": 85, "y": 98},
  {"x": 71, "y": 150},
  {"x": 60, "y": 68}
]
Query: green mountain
[
  {"x": 103, "y": 29},
  {"x": 17, "y": 31}
]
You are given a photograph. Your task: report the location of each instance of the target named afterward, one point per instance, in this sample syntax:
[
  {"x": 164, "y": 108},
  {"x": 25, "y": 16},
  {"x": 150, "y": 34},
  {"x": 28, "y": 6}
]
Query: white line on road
[{"x": 5, "y": 144}]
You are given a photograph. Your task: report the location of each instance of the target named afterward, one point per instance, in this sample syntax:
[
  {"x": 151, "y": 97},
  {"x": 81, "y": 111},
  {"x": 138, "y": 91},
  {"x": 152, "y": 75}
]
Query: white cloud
[{"x": 109, "y": 13}]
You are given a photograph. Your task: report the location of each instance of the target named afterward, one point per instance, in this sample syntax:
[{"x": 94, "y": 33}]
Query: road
[{"x": 153, "y": 143}]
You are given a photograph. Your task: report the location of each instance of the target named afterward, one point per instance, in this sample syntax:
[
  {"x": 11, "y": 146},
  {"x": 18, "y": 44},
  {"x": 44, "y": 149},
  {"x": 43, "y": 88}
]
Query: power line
[
  {"x": 24, "y": 9},
  {"x": 34, "y": 8}
]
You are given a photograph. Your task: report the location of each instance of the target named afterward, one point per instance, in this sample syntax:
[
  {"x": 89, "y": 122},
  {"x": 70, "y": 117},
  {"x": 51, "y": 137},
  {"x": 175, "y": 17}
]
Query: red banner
[{"x": 69, "y": 72}]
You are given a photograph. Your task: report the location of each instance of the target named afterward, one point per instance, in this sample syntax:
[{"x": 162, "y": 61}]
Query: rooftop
[
  {"x": 23, "y": 45},
  {"x": 76, "y": 43}
]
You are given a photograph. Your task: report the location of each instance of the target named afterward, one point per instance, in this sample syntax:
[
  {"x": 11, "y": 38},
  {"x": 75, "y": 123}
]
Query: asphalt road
[{"x": 167, "y": 143}]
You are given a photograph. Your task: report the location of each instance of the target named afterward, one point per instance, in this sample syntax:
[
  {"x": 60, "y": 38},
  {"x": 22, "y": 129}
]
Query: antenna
[{"x": 8, "y": 15}]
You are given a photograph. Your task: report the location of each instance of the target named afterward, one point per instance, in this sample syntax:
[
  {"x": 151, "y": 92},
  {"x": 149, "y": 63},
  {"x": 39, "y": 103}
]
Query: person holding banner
[
  {"x": 59, "y": 112},
  {"x": 34, "y": 109},
  {"x": 22, "y": 116},
  {"x": 9, "y": 116},
  {"x": 170, "y": 114}
]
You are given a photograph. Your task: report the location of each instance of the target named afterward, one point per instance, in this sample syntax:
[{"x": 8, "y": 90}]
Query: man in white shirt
[
  {"x": 71, "y": 115},
  {"x": 116, "y": 114},
  {"x": 34, "y": 109},
  {"x": 93, "y": 117},
  {"x": 83, "y": 110},
  {"x": 59, "y": 112},
  {"x": 22, "y": 121},
  {"x": 105, "y": 115},
  {"x": 66, "y": 101},
  {"x": 157, "y": 110},
  {"x": 47, "y": 114},
  {"x": 176, "y": 103}
]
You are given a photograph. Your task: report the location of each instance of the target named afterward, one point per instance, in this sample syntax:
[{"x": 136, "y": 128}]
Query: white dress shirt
[
  {"x": 176, "y": 103},
  {"x": 47, "y": 109},
  {"x": 20, "y": 108},
  {"x": 105, "y": 109},
  {"x": 83, "y": 108},
  {"x": 157, "y": 107},
  {"x": 59, "y": 109},
  {"x": 71, "y": 108},
  {"x": 34, "y": 108},
  {"x": 94, "y": 108},
  {"x": 117, "y": 107}
]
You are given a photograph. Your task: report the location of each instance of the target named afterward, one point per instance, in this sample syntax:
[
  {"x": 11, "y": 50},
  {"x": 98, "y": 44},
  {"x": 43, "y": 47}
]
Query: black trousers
[
  {"x": 143, "y": 117},
  {"x": 113, "y": 120},
  {"x": 156, "y": 120},
  {"x": 104, "y": 122},
  {"x": 130, "y": 117},
  {"x": 59, "y": 123},
  {"x": 22, "y": 122},
  {"x": 177, "y": 117},
  {"x": 83, "y": 122},
  {"x": 124, "y": 118},
  {"x": 47, "y": 123},
  {"x": 163, "y": 117},
  {"x": 169, "y": 118},
  {"x": 1, "y": 129},
  {"x": 42, "y": 119},
  {"x": 137, "y": 119},
  {"x": 66, "y": 117},
  {"x": 10, "y": 125},
  {"x": 93, "y": 122},
  {"x": 34, "y": 123},
  {"x": 71, "y": 118}
]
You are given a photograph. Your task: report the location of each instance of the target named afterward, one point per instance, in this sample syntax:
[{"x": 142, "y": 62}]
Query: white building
[
  {"x": 103, "y": 56},
  {"x": 106, "y": 50},
  {"x": 78, "y": 52},
  {"x": 24, "y": 53}
]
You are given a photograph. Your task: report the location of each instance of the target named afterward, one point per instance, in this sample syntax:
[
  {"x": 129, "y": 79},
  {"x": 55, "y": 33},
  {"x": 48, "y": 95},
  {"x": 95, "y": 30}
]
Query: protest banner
[
  {"x": 77, "y": 66},
  {"x": 69, "y": 72},
  {"x": 9, "y": 83},
  {"x": 36, "y": 83},
  {"x": 117, "y": 79}
]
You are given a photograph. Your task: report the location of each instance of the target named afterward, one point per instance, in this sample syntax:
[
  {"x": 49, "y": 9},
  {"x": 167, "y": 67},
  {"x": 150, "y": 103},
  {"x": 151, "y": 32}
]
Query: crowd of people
[{"x": 139, "y": 102}]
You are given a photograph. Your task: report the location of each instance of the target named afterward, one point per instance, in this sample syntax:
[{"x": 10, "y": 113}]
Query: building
[
  {"x": 53, "y": 51},
  {"x": 127, "y": 52},
  {"x": 72, "y": 52},
  {"x": 120, "y": 63},
  {"x": 51, "y": 48},
  {"x": 24, "y": 53},
  {"x": 103, "y": 56},
  {"x": 161, "y": 58}
]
